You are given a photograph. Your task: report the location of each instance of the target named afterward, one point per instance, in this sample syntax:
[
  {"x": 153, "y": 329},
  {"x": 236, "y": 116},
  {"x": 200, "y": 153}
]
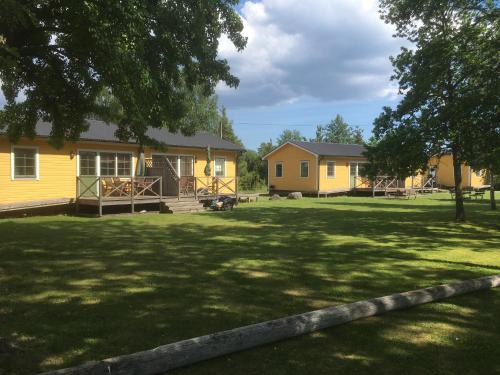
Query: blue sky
[{"x": 305, "y": 62}]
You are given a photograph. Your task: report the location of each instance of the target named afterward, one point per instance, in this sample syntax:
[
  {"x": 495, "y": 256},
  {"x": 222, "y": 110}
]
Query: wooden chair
[{"x": 107, "y": 186}]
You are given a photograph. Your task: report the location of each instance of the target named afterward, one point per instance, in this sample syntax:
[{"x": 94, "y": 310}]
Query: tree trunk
[
  {"x": 459, "y": 198},
  {"x": 493, "y": 203}
]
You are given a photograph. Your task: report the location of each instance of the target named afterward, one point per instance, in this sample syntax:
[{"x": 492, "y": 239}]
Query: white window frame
[
  {"x": 178, "y": 156},
  {"x": 334, "y": 169},
  {"x": 98, "y": 161},
  {"x": 275, "y": 169},
  {"x": 12, "y": 164},
  {"x": 225, "y": 170},
  {"x": 300, "y": 168}
]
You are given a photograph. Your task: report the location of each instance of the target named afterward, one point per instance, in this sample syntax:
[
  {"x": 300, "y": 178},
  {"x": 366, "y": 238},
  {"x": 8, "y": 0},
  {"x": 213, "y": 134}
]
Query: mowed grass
[{"x": 78, "y": 289}]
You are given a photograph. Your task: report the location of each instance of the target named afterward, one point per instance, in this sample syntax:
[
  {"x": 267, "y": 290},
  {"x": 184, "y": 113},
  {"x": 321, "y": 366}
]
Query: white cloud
[{"x": 325, "y": 49}]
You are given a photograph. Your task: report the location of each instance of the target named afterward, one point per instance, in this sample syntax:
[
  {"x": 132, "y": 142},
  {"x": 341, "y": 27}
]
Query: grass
[{"x": 78, "y": 289}]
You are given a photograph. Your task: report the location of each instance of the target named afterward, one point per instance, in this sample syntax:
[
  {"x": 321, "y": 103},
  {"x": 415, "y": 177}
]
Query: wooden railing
[
  {"x": 214, "y": 186},
  {"x": 362, "y": 182},
  {"x": 118, "y": 188}
]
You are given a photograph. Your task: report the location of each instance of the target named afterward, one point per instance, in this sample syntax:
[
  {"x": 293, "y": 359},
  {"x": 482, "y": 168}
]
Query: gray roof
[
  {"x": 332, "y": 149},
  {"x": 100, "y": 131}
]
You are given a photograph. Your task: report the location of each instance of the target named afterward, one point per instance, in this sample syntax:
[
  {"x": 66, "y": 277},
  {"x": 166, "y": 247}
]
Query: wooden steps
[{"x": 182, "y": 206}]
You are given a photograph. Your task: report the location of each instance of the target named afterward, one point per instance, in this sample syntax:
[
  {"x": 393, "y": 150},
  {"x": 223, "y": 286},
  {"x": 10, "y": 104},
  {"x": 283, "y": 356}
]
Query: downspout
[{"x": 318, "y": 161}]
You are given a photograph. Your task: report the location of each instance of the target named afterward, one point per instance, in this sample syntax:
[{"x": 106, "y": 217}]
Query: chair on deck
[
  {"x": 186, "y": 186},
  {"x": 107, "y": 186}
]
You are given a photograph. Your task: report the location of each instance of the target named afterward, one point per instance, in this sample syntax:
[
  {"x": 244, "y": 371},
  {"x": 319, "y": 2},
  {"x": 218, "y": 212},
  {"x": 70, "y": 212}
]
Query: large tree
[
  {"x": 437, "y": 78},
  {"x": 339, "y": 131},
  {"x": 289, "y": 135},
  {"x": 56, "y": 57}
]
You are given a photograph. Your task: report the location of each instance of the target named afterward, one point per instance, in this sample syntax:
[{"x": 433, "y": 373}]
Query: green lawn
[{"x": 78, "y": 289}]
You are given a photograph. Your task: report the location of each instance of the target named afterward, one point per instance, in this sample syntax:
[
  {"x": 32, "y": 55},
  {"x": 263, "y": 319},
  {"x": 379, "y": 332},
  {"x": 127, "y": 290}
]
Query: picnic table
[
  {"x": 470, "y": 194},
  {"x": 401, "y": 193}
]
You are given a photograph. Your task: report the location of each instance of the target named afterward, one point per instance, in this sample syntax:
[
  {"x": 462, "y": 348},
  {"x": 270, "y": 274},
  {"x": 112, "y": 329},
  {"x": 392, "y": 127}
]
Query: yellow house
[
  {"x": 445, "y": 176},
  {"x": 315, "y": 168},
  {"x": 99, "y": 169},
  {"x": 329, "y": 168}
]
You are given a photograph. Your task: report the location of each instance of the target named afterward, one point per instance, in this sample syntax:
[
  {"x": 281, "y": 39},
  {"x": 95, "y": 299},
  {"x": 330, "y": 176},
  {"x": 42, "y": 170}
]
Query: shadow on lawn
[{"x": 74, "y": 290}]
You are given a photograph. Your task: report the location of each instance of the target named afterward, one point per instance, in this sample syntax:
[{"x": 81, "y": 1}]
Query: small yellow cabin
[
  {"x": 99, "y": 169},
  {"x": 329, "y": 168},
  {"x": 315, "y": 168}
]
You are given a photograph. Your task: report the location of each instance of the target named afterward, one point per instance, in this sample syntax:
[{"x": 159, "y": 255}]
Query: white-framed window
[
  {"x": 87, "y": 163},
  {"x": 124, "y": 164},
  {"x": 278, "y": 169},
  {"x": 105, "y": 163},
  {"x": 186, "y": 165},
  {"x": 330, "y": 169},
  {"x": 24, "y": 163},
  {"x": 304, "y": 168},
  {"x": 220, "y": 167},
  {"x": 183, "y": 164}
]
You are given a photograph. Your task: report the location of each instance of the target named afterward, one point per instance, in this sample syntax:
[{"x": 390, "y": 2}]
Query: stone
[
  {"x": 295, "y": 195},
  {"x": 275, "y": 197}
]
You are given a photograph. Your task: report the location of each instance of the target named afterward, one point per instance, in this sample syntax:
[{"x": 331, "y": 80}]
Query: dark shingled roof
[
  {"x": 100, "y": 131},
  {"x": 332, "y": 149}
]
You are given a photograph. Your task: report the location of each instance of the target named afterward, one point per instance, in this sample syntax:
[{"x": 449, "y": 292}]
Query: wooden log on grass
[{"x": 183, "y": 353}]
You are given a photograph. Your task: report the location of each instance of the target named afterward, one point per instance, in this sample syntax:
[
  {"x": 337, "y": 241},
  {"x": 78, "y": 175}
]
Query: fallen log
[{"x": 186, "y": 352}]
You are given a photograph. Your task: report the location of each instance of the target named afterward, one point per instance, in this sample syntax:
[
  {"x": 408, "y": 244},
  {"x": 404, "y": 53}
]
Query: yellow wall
[
  {"x": 57, "y": 170},
  {"x": 445, "y": 175},
  {"x": 291, "y": 157},
  {"x": 341, "y": 180}
]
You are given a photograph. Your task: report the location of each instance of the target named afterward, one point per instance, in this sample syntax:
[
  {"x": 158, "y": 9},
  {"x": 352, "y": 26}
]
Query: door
[
  {"x": 167, "y": 168},
  {"x": 353, "y": 174}
]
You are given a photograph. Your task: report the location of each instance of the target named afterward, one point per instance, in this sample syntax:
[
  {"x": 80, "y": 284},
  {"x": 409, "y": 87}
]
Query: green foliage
[
  {"x": 227, "y": 128},
  {"x": 447, "y": 81},
  {"x": 289, "y": 135},
  {"x": 56, "y": 58},
  {"x": 339, "y": 131}
]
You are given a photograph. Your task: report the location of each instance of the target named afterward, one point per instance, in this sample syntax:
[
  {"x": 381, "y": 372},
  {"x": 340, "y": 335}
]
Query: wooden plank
[
  {"x": 182, "y": 353},
  {"x": 34, "y": 204}
]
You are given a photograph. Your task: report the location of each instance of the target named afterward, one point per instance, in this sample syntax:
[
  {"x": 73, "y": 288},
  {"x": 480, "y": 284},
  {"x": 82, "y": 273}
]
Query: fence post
[
  {"x": 161, "y": 192},
  {"x": 77, "y": 204},
  {"x": 195, "y": 188},
  {"x": 132, "y": 192},
  {"x": 216, "y": 186},
  {"x": 236, "y": 182},
  {"x": 100, "y": 195}
]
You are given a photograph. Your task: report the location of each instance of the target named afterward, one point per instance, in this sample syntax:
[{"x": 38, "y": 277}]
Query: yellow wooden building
[
  {"x": 100, "y": 168},
  {"x": 329, "y": 168}
]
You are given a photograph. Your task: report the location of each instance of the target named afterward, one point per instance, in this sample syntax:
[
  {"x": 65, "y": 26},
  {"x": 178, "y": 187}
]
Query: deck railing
[
  {"x": 214, "y": 186},
  {"x": 118, "y": 188}
]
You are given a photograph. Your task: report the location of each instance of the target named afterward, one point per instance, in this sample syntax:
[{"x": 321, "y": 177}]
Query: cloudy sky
[{"x": 305, "y": 62}]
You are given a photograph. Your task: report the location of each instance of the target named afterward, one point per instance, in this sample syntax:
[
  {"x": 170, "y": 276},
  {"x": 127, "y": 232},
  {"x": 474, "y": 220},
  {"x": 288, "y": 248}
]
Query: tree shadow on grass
[
  {"x": 78, "y": 289},
  {"x": 455, "y": 336}
]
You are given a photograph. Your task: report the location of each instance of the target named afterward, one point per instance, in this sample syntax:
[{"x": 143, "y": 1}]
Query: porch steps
[{"x": 182, "y": 206}]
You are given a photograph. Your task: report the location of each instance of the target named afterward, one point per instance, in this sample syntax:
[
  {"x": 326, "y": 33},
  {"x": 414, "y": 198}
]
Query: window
[
  {"x": 88, "y": 163},
  {"x": 108, "y": 164},
  {"x": 330, "y": 169},
  {"x": 220, "y": 167},
  {"x": 304, "y": 168},
  {"x": 478, "y": 173},
  {"x": 124, "y": 163},
  {"x": 279, "y": 169},
  {"x": 25, "y": 162},
  {"x": 186, "y": 165}
]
